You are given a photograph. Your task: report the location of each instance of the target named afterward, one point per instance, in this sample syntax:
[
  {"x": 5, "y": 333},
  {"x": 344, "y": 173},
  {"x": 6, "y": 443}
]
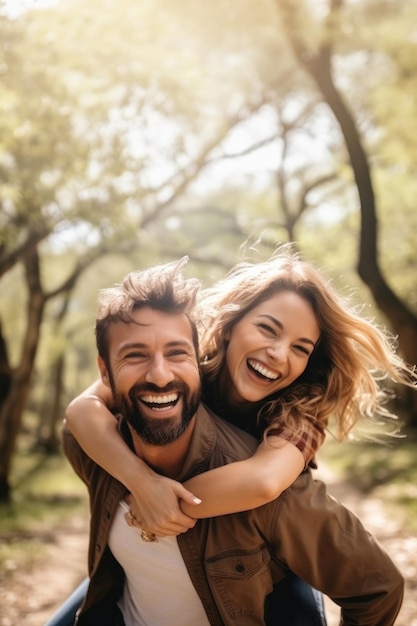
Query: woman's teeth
[{"x": 263, "y": 371}]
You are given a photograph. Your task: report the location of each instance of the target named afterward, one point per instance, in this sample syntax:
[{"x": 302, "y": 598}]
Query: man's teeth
[
  {"x": 263, "y": 370},
  {"x": 167, "y": 399}
]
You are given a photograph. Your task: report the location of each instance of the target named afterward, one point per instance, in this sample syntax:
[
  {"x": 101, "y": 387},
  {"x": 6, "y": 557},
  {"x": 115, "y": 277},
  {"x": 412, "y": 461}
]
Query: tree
[
  {"x": 68, "y": 163},
  {"x": 102, "y": 143},
  {"x": 316, "y": 59}
]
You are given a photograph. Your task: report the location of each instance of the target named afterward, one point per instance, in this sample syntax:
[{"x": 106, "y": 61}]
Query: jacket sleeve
[
  {"x": 80, "y": 461},
  {"x": 326, "y": 545}
]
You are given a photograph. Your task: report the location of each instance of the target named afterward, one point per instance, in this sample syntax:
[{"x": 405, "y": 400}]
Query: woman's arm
[
  {"x": 156, "y": 498},
  {"x": 235, "y": 487},
  {"x": 247, "y": 484}
]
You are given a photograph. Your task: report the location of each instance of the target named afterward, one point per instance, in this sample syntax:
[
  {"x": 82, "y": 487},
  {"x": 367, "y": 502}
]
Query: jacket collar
[{"x": 201, "y": 447}]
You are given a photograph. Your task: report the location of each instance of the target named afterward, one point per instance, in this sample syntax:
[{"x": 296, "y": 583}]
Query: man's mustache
[{"x": 173, "y": 386}]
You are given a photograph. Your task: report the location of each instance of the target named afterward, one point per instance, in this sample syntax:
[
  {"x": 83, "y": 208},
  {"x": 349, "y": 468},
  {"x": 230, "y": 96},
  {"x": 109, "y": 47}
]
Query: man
[{"x": 221, "y": 571}]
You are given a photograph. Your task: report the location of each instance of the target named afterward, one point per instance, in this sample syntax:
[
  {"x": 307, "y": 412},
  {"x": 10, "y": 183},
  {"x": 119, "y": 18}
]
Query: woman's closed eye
[
  {"x": 267, "y": 328},
  {"x": 302, "y": 349},
  {"x": 273, "y": 332}
]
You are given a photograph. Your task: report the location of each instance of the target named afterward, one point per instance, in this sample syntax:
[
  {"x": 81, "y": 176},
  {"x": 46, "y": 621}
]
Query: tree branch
[{"x": 11, "y": 258}]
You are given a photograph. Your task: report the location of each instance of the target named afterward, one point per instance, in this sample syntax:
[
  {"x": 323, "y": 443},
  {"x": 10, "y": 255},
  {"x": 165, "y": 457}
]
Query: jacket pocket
[{"x": 240, "y": 582}]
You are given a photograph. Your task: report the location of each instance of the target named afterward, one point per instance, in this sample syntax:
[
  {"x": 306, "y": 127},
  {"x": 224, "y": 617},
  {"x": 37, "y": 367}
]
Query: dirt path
[
  {"x": 400, "y": 545},
  {"x": 31, "y": 596}
]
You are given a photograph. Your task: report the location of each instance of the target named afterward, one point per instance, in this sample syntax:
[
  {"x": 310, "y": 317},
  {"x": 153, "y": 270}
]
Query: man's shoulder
[{"x": 233, "y": 441}]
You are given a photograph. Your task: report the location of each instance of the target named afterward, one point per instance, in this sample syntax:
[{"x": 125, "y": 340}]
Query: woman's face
[{"x": 269, "y": 348}]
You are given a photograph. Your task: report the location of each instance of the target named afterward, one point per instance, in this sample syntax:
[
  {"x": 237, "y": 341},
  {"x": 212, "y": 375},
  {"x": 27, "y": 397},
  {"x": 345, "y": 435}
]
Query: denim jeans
[
  {"x": 66, "y": 613},
  {"x": 292, "y": 603}
]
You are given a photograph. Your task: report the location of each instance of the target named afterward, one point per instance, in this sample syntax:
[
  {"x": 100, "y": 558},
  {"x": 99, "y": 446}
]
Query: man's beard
[{"x": 157, "y": 431}]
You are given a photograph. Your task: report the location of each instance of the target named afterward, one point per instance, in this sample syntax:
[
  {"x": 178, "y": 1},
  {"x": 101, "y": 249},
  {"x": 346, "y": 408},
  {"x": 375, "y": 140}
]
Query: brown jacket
[{"x": 234, "y": 560}]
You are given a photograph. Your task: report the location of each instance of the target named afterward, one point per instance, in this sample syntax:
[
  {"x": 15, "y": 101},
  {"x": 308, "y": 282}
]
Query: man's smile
[{"x": 160, "y": 403}]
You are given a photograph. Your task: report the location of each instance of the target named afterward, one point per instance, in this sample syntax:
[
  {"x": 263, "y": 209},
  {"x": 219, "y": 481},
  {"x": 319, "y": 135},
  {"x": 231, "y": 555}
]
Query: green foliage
[
  {"x": 385, "y": 471},
  {"x": 46, "y": 493},
  {"x": 114, "y": 119}
]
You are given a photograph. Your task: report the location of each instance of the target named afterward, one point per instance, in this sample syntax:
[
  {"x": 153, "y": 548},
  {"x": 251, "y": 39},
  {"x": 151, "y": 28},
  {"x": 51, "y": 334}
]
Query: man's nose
[{"x": 159, "y": 371}]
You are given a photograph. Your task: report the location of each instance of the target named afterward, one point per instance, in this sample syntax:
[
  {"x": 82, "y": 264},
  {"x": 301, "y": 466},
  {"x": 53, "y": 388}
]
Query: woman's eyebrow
[
  {"x": 277, "y": 323},
  {"x": 272, "y": 319}
]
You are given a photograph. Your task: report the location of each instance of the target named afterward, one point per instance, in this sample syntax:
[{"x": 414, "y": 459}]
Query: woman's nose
[{"x": 278, "y": 351}]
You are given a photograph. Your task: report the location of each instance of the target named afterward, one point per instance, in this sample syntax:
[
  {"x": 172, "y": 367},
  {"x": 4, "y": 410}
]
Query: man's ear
[{"x": 103, "y": 372}]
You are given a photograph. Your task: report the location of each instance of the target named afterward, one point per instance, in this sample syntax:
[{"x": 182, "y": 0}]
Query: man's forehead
[
  {"x": 149, "y": 323},
  {"x": 147, "y": 316}
]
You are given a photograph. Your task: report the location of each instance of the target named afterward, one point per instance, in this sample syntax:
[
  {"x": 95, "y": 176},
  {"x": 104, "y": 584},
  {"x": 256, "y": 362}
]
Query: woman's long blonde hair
[{"x": 344, "y": 376}]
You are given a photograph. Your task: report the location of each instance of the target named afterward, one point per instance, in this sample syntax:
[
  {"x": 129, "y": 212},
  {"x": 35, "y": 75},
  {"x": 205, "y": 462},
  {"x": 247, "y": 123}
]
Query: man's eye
[
  {"x": 177, "y": 353},
  {"x": 135, "y": 355}
]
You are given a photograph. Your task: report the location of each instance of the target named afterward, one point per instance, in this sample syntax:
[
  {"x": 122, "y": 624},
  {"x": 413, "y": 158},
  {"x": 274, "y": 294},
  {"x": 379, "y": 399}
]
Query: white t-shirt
[{"x": 158, "y": 590}]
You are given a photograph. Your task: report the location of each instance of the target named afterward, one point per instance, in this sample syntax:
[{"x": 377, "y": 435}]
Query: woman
[{"x": 283, "y": 356}]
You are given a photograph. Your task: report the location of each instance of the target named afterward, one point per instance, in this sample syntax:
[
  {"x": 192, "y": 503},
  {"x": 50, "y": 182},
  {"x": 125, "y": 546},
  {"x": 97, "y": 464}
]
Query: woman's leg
[{"x": 294, "y": 603}]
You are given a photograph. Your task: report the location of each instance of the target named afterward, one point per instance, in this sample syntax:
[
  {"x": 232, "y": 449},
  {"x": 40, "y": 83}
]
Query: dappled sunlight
[
  {"x": 388, "y": 527},
  {"x": 131, "y": 136}
]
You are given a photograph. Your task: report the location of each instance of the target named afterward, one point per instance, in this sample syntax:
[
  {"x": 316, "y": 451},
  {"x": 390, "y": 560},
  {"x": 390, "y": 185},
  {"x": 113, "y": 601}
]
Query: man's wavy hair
[
  {"x": 344, "y": 374},
  {"x": 161, "y": 287}
]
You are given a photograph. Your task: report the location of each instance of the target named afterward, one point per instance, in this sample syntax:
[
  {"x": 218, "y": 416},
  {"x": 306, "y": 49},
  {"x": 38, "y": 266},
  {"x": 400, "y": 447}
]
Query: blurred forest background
[{"x": 135, "y": 132}]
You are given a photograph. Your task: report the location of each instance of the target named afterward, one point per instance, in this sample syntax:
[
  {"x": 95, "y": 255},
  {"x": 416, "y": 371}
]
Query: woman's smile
[
  {"x": 261, "y": 370},
  {"x": 269, "y": 348}
]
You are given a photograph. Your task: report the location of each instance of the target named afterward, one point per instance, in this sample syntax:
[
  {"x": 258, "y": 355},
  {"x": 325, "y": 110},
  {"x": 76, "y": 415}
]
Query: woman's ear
[{"x": 103, "y": 371}]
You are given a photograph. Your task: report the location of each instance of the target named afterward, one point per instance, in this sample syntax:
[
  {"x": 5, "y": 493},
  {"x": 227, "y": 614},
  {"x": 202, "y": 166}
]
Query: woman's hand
[{"x": 155, "y": 506}]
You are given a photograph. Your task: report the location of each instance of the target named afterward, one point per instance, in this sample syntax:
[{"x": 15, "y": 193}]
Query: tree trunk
[
  {"x": 11, "y": 417},
  {"x": 403, "y": 322},
  {"x": 5, "y": 370},
  {"x": 15, "y": 401},
  {"x": 48, "y": 439}
]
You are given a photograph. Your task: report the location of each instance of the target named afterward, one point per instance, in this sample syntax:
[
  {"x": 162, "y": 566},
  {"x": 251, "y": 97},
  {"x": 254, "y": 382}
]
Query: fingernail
[{"x": 196, "y": 500}]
